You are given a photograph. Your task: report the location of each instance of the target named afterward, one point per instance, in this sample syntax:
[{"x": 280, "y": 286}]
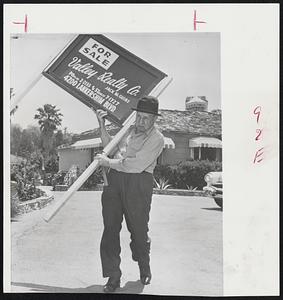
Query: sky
[{"x": 191, "y": 59}]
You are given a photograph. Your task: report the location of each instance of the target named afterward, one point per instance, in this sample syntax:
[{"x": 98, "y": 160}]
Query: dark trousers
[{"x": 129, "y": 195}]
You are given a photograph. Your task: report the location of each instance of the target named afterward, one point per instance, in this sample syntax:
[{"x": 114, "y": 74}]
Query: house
[
  {"x": 193, "y": 134},
  {"x": 82, "y": 152}
]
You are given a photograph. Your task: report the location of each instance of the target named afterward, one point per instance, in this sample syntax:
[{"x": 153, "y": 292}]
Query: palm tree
[{"x": 49, "y": 118}]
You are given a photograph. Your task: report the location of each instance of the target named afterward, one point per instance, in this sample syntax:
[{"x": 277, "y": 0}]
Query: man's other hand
[
  {"x": 103, "y": 160},
  {"x": 101, "y": 114}
]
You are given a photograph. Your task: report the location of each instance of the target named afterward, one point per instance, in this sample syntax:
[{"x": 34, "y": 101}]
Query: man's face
[{"x": 144, "y": 121}]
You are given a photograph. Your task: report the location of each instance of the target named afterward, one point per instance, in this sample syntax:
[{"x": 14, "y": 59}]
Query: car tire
[{"x": 219, "y": 202}]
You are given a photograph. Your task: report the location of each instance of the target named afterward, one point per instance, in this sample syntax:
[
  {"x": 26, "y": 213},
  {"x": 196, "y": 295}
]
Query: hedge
[
  {"x": 187, "y": 174},
  {"x": 25, "y": 176},
  {"x": 94, "y": 179}
]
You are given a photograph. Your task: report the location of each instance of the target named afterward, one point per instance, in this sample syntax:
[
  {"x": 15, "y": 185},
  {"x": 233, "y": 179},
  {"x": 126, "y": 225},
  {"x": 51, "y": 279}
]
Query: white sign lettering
[{"x": 98, "y": 53}]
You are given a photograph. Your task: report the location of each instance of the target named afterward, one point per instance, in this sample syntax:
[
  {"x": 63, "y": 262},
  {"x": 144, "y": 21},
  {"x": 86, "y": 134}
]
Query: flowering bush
[{"x": 72, "y": 175}]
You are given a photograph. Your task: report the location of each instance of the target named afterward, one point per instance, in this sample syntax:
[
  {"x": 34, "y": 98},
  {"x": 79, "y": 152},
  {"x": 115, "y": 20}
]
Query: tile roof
[
  {"x": 193, "y": 122},
  {"x": 199, "y": 123}
]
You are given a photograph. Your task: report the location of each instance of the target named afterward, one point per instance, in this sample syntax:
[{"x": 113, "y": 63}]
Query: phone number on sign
[
  {"x": 87, "y": 91},
  {"x": 73, "y": 82}
]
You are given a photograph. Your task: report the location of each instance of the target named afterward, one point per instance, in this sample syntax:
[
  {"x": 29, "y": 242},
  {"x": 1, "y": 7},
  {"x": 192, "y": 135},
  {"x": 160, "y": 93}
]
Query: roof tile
[{"x": 191, "y": 122}]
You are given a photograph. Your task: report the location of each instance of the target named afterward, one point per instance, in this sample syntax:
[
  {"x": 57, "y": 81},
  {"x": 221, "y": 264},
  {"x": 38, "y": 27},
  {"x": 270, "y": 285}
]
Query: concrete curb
[
  {"x": 61, "y": 187},
  {"x": 179, "y": 192},
  {"x": 175, "y": 192},
  {"x": 37, "y": 203}
]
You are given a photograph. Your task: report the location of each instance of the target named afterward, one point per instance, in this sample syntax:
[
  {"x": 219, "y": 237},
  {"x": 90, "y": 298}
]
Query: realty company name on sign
[{"x": 104, "y": 75}]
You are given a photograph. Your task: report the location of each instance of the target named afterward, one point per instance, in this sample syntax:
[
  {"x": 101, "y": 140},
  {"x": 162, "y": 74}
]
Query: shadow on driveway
[
  {"x": 131, "y": 287},
  {"x": 212, "y": 208},
  {"x": 14, "y": 220}
]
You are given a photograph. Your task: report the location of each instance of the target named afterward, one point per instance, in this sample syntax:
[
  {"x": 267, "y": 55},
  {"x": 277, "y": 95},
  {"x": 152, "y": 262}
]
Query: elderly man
[{"x": 129, "y": 191}]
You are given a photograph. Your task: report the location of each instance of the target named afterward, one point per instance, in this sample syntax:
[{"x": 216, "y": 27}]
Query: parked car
[{"x": 214, "y": 187}]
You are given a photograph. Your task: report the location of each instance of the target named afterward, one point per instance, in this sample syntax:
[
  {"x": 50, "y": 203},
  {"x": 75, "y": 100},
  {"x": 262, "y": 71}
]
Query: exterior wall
[
  {"x": 69, "y": 157},
  {"x": 181, "y": 151}
]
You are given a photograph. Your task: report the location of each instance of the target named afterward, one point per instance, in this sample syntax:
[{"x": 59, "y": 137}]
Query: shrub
[
  {"x": 15, "y": 210},
  {"x": 188, "y": 173},
  {"x": 58, "y": 178},
  {"x": 192, "y": 173},
  {"x": 94, "y": 179},
  {"x": 68, "y": 178},
  {"x": 162, "y": 171},
  {"x": 52, "y": 165},
  {"x": 48, "y": 179},
  {"x": 29, "y": 192},
  {"x": 191, "y": 188},
  {"x": 24, "y": 175},
  {"x": 165, "y": 172},
  {"x": 161, "y": 184},
  {"x": 72, "y": 175}
]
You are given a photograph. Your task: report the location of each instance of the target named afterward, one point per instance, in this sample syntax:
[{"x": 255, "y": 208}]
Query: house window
[
  {"x": 196, "y": 153},
  {"x": 205, "y": 148},
  {"x": 203, "y": 153},
  {"x": 219, "y": 154},
  {"x": 208, "y": 153}
]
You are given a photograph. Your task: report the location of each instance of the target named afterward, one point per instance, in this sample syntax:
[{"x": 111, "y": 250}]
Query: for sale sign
[
  {"x": 98, "y": 53},
  {"x": 103, "y": 75}
]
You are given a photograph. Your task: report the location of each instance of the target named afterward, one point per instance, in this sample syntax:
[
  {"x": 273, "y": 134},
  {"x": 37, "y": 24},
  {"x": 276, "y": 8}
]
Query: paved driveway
[{"x": 63, "y": 255}]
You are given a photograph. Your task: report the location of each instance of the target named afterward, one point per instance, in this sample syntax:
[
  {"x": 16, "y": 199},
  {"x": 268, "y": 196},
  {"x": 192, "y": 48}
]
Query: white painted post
[
  {"x": 20, "y": 96},
  {"x": 36, "y": 77}
]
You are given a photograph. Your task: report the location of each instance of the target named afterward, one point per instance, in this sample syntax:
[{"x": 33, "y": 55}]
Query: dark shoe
[
  {"x": 134, "y": 256},
  {"x": 145, "y": 279},
  {"x": 111, "y": 285},
  {"x": 145, "y": 274}
]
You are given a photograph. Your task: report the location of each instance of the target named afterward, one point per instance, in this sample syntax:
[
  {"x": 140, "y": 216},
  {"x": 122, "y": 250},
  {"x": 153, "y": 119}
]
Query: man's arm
[
  {"x": 143, "y": 158},
  {"x": 105, "y": 136}
]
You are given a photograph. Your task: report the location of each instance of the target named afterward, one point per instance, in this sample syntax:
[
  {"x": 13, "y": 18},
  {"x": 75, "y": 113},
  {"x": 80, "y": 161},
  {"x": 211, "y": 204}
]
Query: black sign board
[{"x": 103, "y": 75}]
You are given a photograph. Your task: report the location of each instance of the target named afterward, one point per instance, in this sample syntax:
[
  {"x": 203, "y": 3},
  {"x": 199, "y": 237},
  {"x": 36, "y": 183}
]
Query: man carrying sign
[{"x": 129, "y": 192}]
